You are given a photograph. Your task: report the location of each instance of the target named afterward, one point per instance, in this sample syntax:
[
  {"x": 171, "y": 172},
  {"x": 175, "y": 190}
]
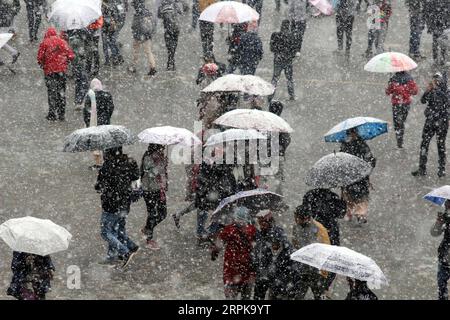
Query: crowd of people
[{"x": 257, "y": 263}]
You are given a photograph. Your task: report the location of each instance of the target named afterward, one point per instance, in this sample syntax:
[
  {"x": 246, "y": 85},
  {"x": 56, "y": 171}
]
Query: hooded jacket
[
  {"x": 401, "y": 87},
  {"x": 438, "y": 104},
  {"x": 54, "y": 53},
  {"x": 282, "y": 45}
]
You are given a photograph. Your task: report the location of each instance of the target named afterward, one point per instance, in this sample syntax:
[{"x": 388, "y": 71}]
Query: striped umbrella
[
  {"x": 229, "y": 12},
  {"x": 390, "y": 62}
]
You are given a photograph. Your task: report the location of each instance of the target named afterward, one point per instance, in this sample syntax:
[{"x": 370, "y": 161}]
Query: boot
[
  {"x": 419, "y": 172},
  {"x": 152, "y": 72}
]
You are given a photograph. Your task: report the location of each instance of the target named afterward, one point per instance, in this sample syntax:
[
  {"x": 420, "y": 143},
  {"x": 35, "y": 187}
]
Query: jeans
[
  {"x": 111, "y": 226},
  {"x": 171, "y": 38},
  {"x": 400, "y": 113},
  {"x": 81, "y": 80},
  {"x": 93, "y": 56},
  {"x": 109, "y": 40},
  {"x": 248, "y": 69},
  {"x": 416, "y": 25},
  {"x": 202, "y": 217},
  {"x": 443, "y": 275},
  {"x": 278, "y": 67},
  {"x": 376, "y": 37},
  {"x": 156, "y": 211},
  {"x": 207, "y": 37},
  {"x": 56, "y": 90},
  {"x": 431, "y": 128},
  {"x": 310, "y": 280},
  {"x": 439, "y": 51},
  {"x": 344, "y": 25},
  {"x": 34, "y": 16},
  {"x": 298, "y": 29}
]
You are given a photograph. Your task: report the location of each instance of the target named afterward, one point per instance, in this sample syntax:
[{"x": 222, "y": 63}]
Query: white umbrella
[
  {"x": 254, "y": 119},
  {"x": 390, "y": 62},
  {"x": 229, "y": 12},
  {"x": 249, "y": 84},
  {"x": 168, "y": 135},
  {"x": 4, "y": 38},
  {"x": 74, "y": 14},
  {"x": 36, "y": 236},
  {"x": 343, "y": 261},
  {"x": 235, "y": 135}
]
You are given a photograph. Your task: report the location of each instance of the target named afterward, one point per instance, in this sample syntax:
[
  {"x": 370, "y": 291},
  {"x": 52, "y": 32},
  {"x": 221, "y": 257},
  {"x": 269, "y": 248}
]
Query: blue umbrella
[
  {"x": 438, "y": 196},
  {"x": 367, "y": 128}
]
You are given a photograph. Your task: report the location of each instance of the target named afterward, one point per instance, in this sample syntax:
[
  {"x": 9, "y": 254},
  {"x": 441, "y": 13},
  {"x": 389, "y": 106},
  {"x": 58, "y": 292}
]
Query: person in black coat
[
  {"x": 436, "y": 123},
  {"x": 251, "y": 51},
  {"x": 357, "y": 194},
  {"x": 35, "y": 9},
  {"x": 359, "y": 290},
  {"x": 416, "y": 26},
  {"x": 104, "y": 105},
  {"x": 345, "y": 16},
  {"x": 283, "y": 46},
  {"x": 31, "y": 276},
  {"x": 233, "y": 41},
  {"x": 437, "y": 17}
]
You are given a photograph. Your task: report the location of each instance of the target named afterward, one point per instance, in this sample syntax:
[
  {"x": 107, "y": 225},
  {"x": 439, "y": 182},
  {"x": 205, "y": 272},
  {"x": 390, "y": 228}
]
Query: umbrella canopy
[
  {"x": 390, "y": 62},
  {"x": 337, "y": 170},
  {"x": 74, "y": 14},
  {"x": 235, "y": 135},
  {"x": 98, "y": 138},
  {"x": 229, "y": 12},
  {"x": 323, "y": 5},
  {"x": 438, "y": 196},
  {"x": 367, "y": 127},
  {"x": 260, "y": 199},
  {"x": 254, "y": 119},
  {"x": 33, "y": 235},
  {"x": 249, "y": 84},
  {"x": 4, "y": 38},
  {"x": 169, "y": 135},
  {"x": 343, "y": 261}
]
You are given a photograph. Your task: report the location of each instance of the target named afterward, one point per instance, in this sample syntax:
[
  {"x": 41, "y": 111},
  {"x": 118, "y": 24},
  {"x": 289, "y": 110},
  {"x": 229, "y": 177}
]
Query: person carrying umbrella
[
  {"x": 31, "y": 276},
  {"x": 357, "y": 194},
  {"x": 114, "y": 183},
  {"x": 53, "y": 56},
  {"x": 436, "y": 123},
  {"x": 359, "y": 290},
  {"x": 401, "y": 87},
  {"x": 154, "y": 183}
]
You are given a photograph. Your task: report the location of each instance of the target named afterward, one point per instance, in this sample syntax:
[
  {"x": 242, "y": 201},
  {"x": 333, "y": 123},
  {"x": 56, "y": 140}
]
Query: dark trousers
[
  {"x": 278, "y": 67},
  {"x": 110, "y": 48},
  {"x": 344, "y": 25},
  {"x": 439, "y": 52},
  {"x": 298, "y": 30},
  {"x": 307, "y": 281},
  {"x": 207, "y": 37},
  {"x": 34, "y": 16},
  {"x": 195, "y": 13},
  {"x": 400, "y": 113},
  {"x": 416, "y": 26},
  {"x": 81, "y": 80},
  {"x": 171, "y": 39},
  {"x": 431, "y": 128},
  {"x": 93, "y": 56},
  {"x": 248, "y": 69},
  {"x": 56, "y": 89},
  {"x": 443, "y": 275},
  {"x": 261, "y": 288},
  {"x": 156, "y": 211}
]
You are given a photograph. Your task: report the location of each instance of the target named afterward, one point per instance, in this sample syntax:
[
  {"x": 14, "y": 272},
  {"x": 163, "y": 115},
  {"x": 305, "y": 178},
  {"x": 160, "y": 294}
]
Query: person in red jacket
[
  {"x": 401, "y": 87},
  {"x": 239, "y": 239},
  {"x": 53, "y": 56}
]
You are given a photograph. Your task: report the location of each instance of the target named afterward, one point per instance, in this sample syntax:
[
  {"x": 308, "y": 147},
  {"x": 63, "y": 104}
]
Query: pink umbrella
[
  {"x": 229, "y": 12},
  {"x": 323, "y": 5}
]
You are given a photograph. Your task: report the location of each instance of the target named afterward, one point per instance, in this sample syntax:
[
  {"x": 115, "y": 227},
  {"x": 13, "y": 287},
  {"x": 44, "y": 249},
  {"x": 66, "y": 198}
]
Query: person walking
[
  {"x": 35, "y": 10},
  {"x": 401, "y": 87},
  {"x": 93, "y": 39},
  {"x": 416, "y": 27},
  {"x": 345, "y": 16},
  {"x": 113, "y": 16},
  {"x": 154, "y": 184},
  {"x": 206, "y": 29},
  {"x": 168, "y": 11},
  {"x": 143, "y": 28},
  {"x": 297, "y": 14},
  {"x": 442, "y": 226},
  {"x": 437, "y": 17},
  {"x": 250, "y": 50},
  {"x": 8, "y": 11},
  {"x": 114, "y": 183},
  {"x": 382, "y": 11},
  {"x": 359, "y": 290},
  {"x": 53, "y": 56},
  {"x": 282, "y": 46},
  {"x": 436, "y": 123}
]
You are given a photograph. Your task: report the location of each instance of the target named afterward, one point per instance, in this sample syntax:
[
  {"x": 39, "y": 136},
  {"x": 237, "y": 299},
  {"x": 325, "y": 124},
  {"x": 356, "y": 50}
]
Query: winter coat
[
  {"x": 79, "y": 42},
  {"x": 113, "y": 15},
  {"x": 359, "y": 191},
  {"x": 154, "y": 175},
  {"x": 114, "y": 182},
  {"x": 54, "y": 53},
  {"x": 143, "y": 26},
  {"x": 8, "y": 10},
  {"x": 105, "y": 108},
  {"x": 297, "y": 10},
  {"x": 363, "y": 293},
  {"x": 437, "y": 15},
  {"x": 346, "y": 8},
  {"x": 313, "y": 232},
  {"x": 444, "y": 248},
  {"x": 283, "y": 46},
  {"x": 214, "y": 183},
  {"x": 327, "y": 207},
  {"x": 237, "y": 262},
  {"x": 169, "y": 11},
  {"x": 32, "y": 277},
  {"x": 438, "y": 104},
  {"x": 415, "y": 6},
  {"x": 401, "y": 87},
  {"x": 250, "y": 49}
]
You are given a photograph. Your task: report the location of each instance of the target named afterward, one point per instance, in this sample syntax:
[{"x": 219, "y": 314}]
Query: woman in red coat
[
  {"x": 401, "y": 87},
  {"x": 239, "y": 239}
]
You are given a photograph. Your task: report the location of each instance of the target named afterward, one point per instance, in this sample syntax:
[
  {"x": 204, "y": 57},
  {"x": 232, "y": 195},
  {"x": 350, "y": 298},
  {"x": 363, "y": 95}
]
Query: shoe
[
  {"x": 2, "y": 63},
  {"x": 292, "y": 98},
  {"x": 107, "y": 63},
  {"x": 132, "y": 69},
  {"x": 109, "y": 261},
  {"x": 368, "y": 54},
  {"x": 153, "y": 245},
  {"x": 176, "y": 219},
  {"x": 152, "y": 72},
  {"x": 171, "y": 67},
  {"x": 50, "y": 118},
  {"x": 127, "y": 258},
  {"x": 361, "y": 220},
  {"x": 78, "y": 107},
  {"x": 419, "y": 172},
  {"x": 15, "y": 57},
  {"x": 95, "y": 167},
  {"x": 441, "y": 173},
  {"x": 135, "y": 249},
  {"x": 118, "y": 61},
  {"x": 62, "y": 119},
  {"x": 418, "y": 56}
]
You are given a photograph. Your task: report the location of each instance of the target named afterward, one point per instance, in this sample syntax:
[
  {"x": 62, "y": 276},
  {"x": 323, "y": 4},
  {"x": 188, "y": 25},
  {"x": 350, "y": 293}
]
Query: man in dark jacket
[
  {"x": 283, "y": 46},
  {"x": 442, "y": 225},
  {"x": 345, "y": 16},
  {"x": 114, "y": 18},
  {"x": 251, "y": 51},
  {"x": 114, "y": 183},
  {"x": 416, "y": 26},
  {"x": 437, "y": 17},
  {"x": 436, "y": 123},
  {"x": 35, "y": 9}
]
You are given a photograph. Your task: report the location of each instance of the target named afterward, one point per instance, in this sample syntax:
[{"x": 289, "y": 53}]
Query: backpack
[{"x": 147, "y": 24}]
